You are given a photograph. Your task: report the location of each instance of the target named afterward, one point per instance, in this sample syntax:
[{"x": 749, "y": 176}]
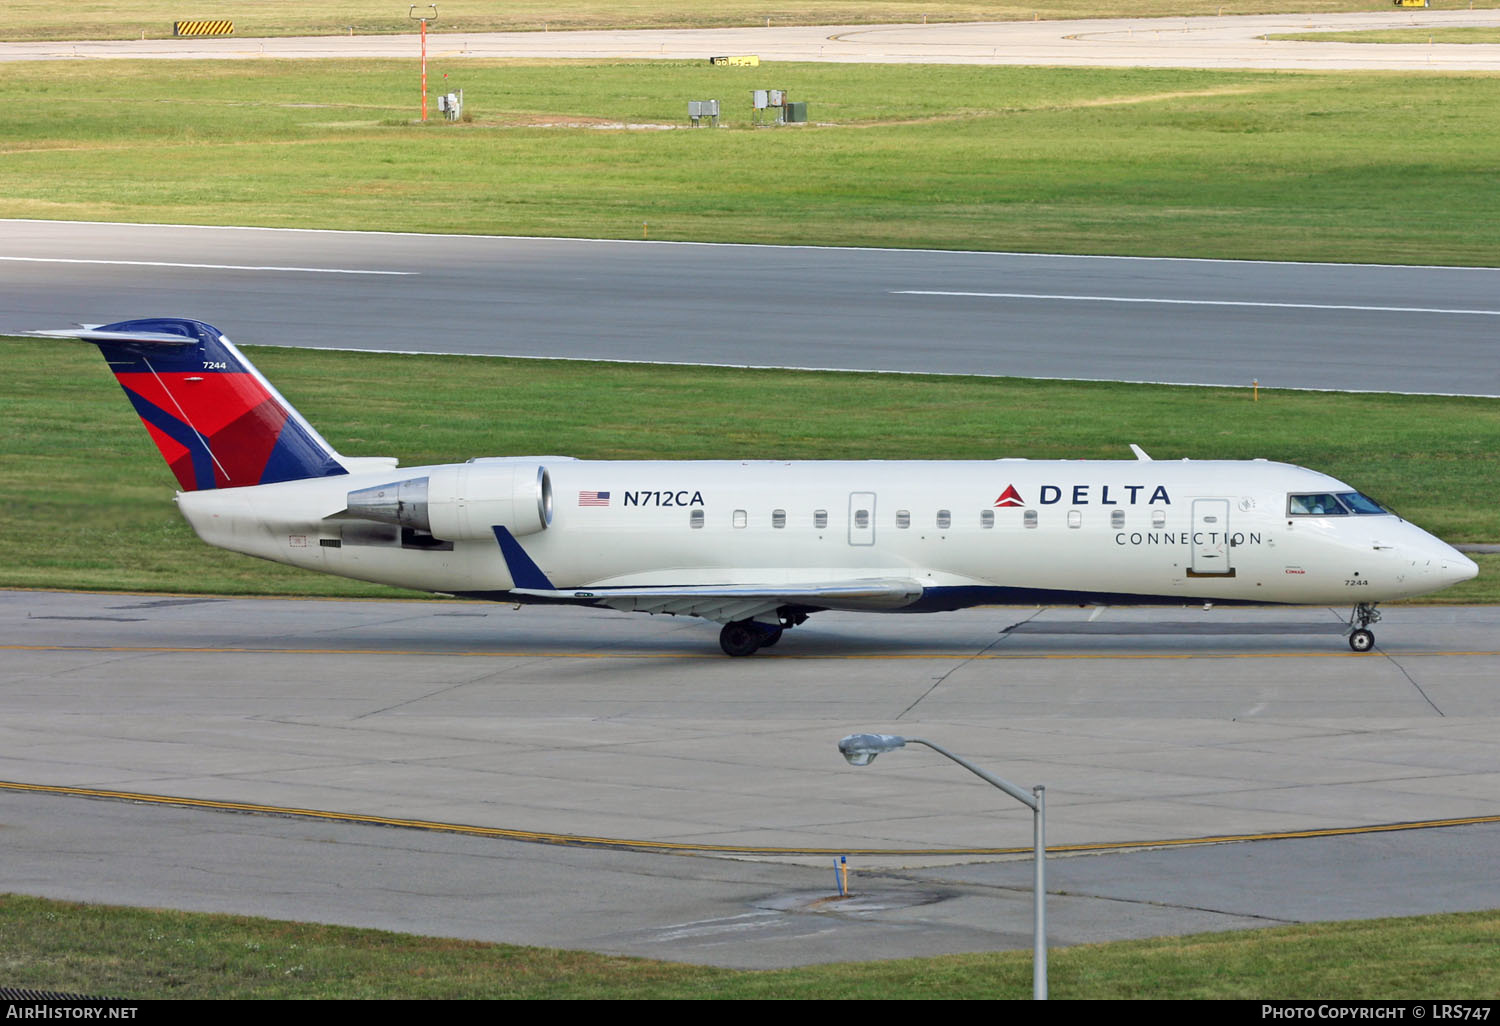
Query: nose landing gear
[{"x": 1361, "y": 638}]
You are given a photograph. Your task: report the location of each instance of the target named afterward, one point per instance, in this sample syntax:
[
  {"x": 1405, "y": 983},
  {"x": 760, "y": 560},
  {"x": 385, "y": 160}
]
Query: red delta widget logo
[
  {"x": 1009, "y": 497},
  {"x": 1082, "y": 495}
]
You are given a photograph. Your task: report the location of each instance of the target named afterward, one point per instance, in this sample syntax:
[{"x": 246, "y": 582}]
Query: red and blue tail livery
[{"x": 217, "y": 422}]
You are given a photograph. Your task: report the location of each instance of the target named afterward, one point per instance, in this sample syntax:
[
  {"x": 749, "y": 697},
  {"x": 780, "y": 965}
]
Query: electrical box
[{"x": 700, "y": 109}]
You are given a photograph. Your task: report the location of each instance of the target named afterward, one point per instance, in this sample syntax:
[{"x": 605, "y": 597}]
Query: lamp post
[
  {"x": 424, "y": 19},
  {"x": 861, "y": 749}
]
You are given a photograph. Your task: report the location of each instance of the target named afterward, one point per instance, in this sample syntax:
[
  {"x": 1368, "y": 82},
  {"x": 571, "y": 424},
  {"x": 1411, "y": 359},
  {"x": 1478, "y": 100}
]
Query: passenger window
[
  {"x": 1028, "y": 518},
  {"x": 1158, "y": 518},
  {"x": 987, "y": 519},
  {"x": 862, "y": 519},
  {"x": 696, "y": 519},
  {"x": 1117, "y": 519},
  {"x": 820, "y": 518},
  {"x": 1075, "y": 518},
  {"x": 903, "y": 518},
  {"x": 778, "y": 518},
  {"x": 944, "y": 519},
  {"x": 740, "y": 518}
]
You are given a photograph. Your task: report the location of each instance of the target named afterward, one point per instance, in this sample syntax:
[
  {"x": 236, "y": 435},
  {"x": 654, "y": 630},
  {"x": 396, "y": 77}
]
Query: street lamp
[{"x": 861, "y": 749}]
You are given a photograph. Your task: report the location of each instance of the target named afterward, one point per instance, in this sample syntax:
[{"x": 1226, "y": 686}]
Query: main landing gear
[
  {"x": 1361, "y": 638},
  {"x": 746, "y": 637}
]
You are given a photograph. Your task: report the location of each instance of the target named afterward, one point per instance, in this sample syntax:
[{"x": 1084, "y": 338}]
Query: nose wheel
[{"x": 1361, "y": 638}]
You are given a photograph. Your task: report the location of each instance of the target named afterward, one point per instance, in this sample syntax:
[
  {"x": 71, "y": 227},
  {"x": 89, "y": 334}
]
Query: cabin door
[
  {"x": 861, "y": 518},
  {"x": 1211, "y": 538}
]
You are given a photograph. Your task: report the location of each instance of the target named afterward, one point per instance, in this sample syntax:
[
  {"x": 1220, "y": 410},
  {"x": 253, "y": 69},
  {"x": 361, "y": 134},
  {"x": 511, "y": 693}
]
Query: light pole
[
  {"x": 424, "y": 19},
  {"x": 861, "y": 749}
]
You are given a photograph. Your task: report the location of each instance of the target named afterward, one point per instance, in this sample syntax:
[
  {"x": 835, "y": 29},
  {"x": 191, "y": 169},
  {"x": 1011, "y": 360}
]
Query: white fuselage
[{"x": 966, "y": 532}]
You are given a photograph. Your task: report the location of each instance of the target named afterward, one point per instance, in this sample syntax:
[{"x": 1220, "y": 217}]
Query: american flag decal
[{"x": 593, "y": 498}]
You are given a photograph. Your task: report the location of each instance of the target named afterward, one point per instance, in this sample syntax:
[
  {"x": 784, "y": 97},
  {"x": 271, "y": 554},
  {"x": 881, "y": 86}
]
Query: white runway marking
[
  {"x": 1199, "y": 302},
  {"x": 204, "y": 267}
]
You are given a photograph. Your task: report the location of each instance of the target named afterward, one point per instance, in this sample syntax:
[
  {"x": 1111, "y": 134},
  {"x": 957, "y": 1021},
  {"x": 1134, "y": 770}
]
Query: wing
[{"x": 728, "y": 603}]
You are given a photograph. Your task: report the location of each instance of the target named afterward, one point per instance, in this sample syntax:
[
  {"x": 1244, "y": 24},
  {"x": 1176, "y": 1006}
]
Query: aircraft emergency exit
[{"x": 757, "y": 546}]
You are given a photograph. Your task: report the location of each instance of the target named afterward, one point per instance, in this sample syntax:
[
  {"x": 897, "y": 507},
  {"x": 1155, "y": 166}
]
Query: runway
[
  {"x": 1202, "y": 42},
  {"x": 576, "y": 722},
  {"x": 1286, "y": 325}
]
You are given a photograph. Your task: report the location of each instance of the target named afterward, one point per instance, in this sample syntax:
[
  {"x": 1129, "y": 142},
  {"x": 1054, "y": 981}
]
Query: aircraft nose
[
  {"x": 1455, "y": 567},
  {"x": 1437, "y": 564}
]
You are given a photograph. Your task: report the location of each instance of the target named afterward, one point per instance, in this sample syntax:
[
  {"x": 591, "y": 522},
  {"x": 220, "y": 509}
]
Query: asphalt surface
[
  {"x": 1329, "y": 326},
  {"x": 634, "y": 729},
  {"x": 1205, "y": 42}
]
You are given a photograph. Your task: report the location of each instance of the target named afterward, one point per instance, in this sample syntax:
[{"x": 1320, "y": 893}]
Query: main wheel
[
  {"x": 770, "y": 637},
  {"x": 1362, "y": 640},
  {"x": 740, "y": 638}
]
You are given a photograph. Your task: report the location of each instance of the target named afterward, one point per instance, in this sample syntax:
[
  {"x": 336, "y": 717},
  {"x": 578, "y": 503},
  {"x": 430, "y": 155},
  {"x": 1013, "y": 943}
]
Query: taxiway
[{"x": 635, "y": 732}]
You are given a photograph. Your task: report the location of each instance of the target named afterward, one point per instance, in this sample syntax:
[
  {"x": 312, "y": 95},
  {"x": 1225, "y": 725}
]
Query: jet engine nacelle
[{"x": 462, "y": 502}]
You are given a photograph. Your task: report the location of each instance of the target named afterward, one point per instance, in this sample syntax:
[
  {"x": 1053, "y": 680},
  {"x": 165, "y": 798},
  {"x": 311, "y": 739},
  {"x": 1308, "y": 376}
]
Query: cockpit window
[
  {"x": 1324, "y": 505},
  {"x": 1361, "y": 503},
  {"x": 1329, "y": 505}
]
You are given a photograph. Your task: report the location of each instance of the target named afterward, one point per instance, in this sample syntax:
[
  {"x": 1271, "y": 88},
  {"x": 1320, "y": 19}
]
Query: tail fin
[{"x": 217, "y": 421}]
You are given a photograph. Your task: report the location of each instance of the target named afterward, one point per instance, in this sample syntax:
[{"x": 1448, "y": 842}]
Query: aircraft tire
[
  {"x": 1362, "y": 640},
  {"x": 771, "y": 637},
  {"x": 740, "y": 638}
]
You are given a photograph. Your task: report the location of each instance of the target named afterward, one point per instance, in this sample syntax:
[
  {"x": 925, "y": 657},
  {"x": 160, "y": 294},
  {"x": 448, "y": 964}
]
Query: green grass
[
  {"x": 81, "y": 475},
  {"x": 1344, "y": 167},
  {"x": 142, "y": 953},
  {"x": 152, "y": 19}
]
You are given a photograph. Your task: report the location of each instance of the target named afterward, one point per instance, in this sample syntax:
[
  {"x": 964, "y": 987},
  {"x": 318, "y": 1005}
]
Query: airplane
[{"x": 756, "y": 545}]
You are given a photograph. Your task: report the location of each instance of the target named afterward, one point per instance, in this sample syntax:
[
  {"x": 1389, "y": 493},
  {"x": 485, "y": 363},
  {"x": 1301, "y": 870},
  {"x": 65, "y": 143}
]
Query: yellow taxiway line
[{"x": 684, "y": 848}]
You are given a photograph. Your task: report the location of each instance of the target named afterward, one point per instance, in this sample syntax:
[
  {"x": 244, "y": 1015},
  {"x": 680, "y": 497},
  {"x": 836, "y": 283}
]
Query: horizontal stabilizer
[{"x": 92, "y": 333}]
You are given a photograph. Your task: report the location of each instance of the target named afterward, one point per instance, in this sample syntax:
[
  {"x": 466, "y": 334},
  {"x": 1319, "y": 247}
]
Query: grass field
[
  {"x": 136, "y": 953},
  {"x": 1344, "y": 167},
  {"x": 79, "y": 470},
  {"x": 152, "y": 19}
]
